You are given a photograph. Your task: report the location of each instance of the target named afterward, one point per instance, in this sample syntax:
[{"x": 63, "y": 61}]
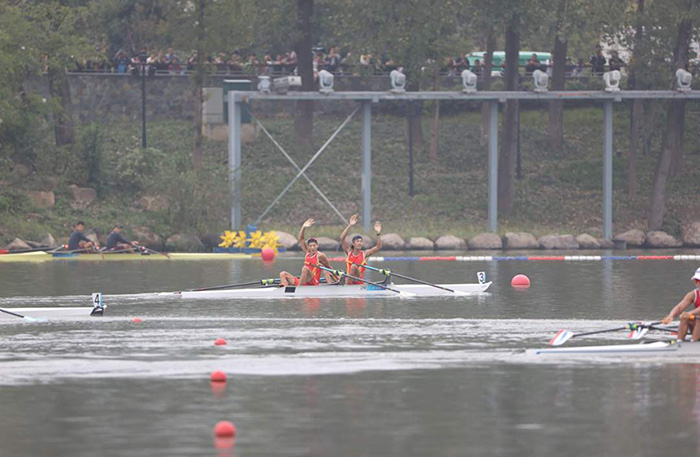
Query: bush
[
  {"x": 135, "y": 168},
  {"x": 91, "y": 141},
  {"x": 13, "y": 203}
]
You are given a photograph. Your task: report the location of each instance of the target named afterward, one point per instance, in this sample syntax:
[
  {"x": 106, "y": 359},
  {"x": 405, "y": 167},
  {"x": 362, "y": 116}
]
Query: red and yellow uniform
[
  {"x": 311, "y": 261},
  {"x": 358, "y": 259}
]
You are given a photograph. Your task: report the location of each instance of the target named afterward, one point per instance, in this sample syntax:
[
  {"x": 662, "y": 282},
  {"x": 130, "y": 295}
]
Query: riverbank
[{"x": 559, "y": 191}]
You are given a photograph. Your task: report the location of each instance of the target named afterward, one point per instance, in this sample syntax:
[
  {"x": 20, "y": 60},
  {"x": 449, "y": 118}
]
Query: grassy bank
[{"x": 560, "y": 191}]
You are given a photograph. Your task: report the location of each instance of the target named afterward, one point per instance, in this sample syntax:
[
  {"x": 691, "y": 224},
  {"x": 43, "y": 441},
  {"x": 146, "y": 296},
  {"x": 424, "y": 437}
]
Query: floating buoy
[
  {"x": 220, "y": 342},
  {"x": 137, "y": 320},
  {"x": 218, "y": 376},
  {"x": 267, "y": 254},
  {"x": 520, "y": 281},
  {"x": 224, "y": 429}
]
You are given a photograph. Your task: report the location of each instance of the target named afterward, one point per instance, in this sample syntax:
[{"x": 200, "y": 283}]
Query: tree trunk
[
  {"x": 677, "y": 156},
  {"x": 59, "y": 89},
  {"x": 637, "y": 109},
  {"x": 672, "y": 134},
  {"x": 509, "y": 150},
  {"x": 556, "y": 107},
  {"x": 304, "y": 117},
  {"x": 199, "y": 88},
  {"x": 436, "y": 122},
  {"x": 486, "y": 85}
]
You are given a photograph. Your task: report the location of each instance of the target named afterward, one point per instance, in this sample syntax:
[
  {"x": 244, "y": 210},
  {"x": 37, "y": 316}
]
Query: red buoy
[
  {"x": 220, "y": 342},
  {"x": 267, "y": 254},
  {"x": 218, "y": 376},
  {"x": 224, "y": 429},
  {"x": 520, "y": 280},
  {"x": 137, "y": 320}
]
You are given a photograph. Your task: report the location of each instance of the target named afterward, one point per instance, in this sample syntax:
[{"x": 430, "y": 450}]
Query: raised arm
[
  {"x": 343, "y": 243},
  {"x": 678, "y": 309},
  {"x": 302, "y": 240},
  {"x": 378, "y": 245}
]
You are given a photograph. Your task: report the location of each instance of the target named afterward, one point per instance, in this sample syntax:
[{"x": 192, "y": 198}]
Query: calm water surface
[{"x": 340, "y": 377}]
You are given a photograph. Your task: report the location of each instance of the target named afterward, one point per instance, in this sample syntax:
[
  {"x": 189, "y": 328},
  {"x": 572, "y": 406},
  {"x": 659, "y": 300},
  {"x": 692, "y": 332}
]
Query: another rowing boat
[
  {"x": 119, "y": 256},
  {"x": 655, "y": 347},
  {"x": 329, "y": 291},
  {"x": 62, "y": 312}
]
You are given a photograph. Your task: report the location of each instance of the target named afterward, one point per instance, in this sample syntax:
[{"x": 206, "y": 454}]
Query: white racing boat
[
  {"x": 34, "y": 314},
  {"x": 638, "y": 330},
  {"x": 330, "y": 291},
  {"x": 647, "y": 348}
]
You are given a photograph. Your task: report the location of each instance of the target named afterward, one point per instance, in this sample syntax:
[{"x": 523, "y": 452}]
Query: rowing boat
[
  {"x": 62, "y": 312},
  {"x": 119, "y": 256},
  {"x": 333, "y": 290},
  {"x": 654, "y": 347}
]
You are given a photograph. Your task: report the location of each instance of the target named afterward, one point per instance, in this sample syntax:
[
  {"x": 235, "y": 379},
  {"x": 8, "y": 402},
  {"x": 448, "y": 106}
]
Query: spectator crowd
[{"x": 332, "y": 59}]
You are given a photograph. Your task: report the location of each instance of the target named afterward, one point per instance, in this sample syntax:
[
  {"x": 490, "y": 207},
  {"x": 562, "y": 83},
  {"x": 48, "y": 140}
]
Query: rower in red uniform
[
  {"x": 355, "y": 256},
  {"x": 688, "y": 318},
  {"x": 310, "y": 273}
]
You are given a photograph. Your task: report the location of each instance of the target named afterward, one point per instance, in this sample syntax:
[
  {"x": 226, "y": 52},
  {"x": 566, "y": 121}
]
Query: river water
[{"x": 341, "y": 377}]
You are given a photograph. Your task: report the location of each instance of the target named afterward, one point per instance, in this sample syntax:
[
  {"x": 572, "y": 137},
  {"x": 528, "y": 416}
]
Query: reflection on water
[{"x": 342, "y": 376}]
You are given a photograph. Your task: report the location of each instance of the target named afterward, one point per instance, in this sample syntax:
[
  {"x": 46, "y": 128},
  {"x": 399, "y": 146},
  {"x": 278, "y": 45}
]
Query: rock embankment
[{"x": 636, "y": 239}]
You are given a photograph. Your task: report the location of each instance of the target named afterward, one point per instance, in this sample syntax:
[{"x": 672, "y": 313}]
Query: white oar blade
[
  {"x": 35, "y": 319},
  {"x": 638, "y": 333},
  {"x": 561, "y": 337},
  {"x": 405, "y": 294}
]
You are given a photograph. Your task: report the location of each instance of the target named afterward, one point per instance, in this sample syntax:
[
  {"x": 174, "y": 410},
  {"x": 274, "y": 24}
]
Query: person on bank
[
  {"x": 78, "y": 241},
  {"x": 355, "y": 256},
  {"x": 117, "y": 242},
  {"x": 688, "y": 319},
  {"x": 310, "y": 272}
]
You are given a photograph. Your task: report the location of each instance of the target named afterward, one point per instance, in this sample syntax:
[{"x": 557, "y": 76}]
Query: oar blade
[
  {"x": 404, "y": 294},
  {"x": 639, "y": 332},
  {"x": 561, "y": 337},
  {"x": 35, "y": 319}
]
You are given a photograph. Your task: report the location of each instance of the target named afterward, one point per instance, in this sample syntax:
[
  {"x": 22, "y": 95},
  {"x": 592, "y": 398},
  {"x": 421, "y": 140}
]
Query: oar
[
  {"x": 387, "y": 272},
  {"x": 156, "y": 252},
  {"x": 263, "y": 282},
  {"x": 26, "y": 318},
  {"x": 356, "y": 278},
  {"x": 563, "y": 336},
  {"x": 23, "y": 251}
]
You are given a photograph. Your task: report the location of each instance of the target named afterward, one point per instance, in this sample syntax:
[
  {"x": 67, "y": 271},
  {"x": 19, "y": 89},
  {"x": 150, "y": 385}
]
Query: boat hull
[
  {"x": 619, "y": 349},
  {"x": 330, "y": 291},
  {"x": 51, "y": 313}
]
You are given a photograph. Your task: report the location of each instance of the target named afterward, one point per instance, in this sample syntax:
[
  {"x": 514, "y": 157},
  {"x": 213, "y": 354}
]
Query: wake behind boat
[{"x": 334, "y": 290}]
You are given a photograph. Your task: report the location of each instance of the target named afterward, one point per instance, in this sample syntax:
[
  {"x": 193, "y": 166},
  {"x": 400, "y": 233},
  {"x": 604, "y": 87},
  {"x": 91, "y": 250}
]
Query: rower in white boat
[
  {"x": 355, "y": 256},
  {"x": 310, "y": 272},
  {"x": 688, "y": 319}
]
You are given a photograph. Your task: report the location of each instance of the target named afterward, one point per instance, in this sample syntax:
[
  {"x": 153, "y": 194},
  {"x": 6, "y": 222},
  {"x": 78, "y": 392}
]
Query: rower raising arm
[
  {"x": 310, "y": 272},
  {"x": 355, "y": 256}
]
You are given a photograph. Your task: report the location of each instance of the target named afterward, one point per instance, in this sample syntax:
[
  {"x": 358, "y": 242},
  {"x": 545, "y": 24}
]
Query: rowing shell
[
  {"x": 621, "y": 349},
  {"x": 97, "y": 257},
  {"x": 323, "y": 291},
  {"x": 52, "y": 313}
]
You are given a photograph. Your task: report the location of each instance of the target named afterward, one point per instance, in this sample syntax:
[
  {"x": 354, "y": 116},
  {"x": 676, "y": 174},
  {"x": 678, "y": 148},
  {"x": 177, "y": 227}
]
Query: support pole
[
  {"x": 367, "y": 165},
  {"x": 608, "y": 170},
  {"x": 234, "y": 159},
  {"x": 493, "y": 168},
  {"x": 143, "y": 105}
]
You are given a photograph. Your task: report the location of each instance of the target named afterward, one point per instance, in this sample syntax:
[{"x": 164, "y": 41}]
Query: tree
[
  {"x": 685, "y": 12},
  {"x": 304, "y": 118},
  {"x": 58, "y": 34}
]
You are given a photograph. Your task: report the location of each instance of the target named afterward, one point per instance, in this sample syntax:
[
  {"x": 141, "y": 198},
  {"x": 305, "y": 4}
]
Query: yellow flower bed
[{"x": 257, "y": 240}]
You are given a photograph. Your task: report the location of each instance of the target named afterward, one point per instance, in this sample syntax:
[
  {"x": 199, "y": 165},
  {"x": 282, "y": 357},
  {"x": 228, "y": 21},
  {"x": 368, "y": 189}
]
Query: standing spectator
[
  {"x": 615, "y": 62},
  {"x": 462, "y": 63},
  {"x": 333, "y": 60},
  {"x": 174, "y": 67},
  {"x": 121, "y": 61},
  {"x": 598, "y": 61},
  {"x": 234, "y": 63},
  {"x": 251, "y": 66},
  {"x": 578, "y": 69},
  {"x": 532, "y": 64},
  {"x": 170, "y": 55},
  {"x": 192, "y": 61},
  {"x": 477, "y": 67}
]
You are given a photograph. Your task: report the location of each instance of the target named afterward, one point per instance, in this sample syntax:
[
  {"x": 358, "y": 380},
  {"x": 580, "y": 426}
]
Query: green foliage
[
  {"x": 135, "y": 167},
  {"x": 91, "y": 142},
  {"x": 13, "y": 202}
]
